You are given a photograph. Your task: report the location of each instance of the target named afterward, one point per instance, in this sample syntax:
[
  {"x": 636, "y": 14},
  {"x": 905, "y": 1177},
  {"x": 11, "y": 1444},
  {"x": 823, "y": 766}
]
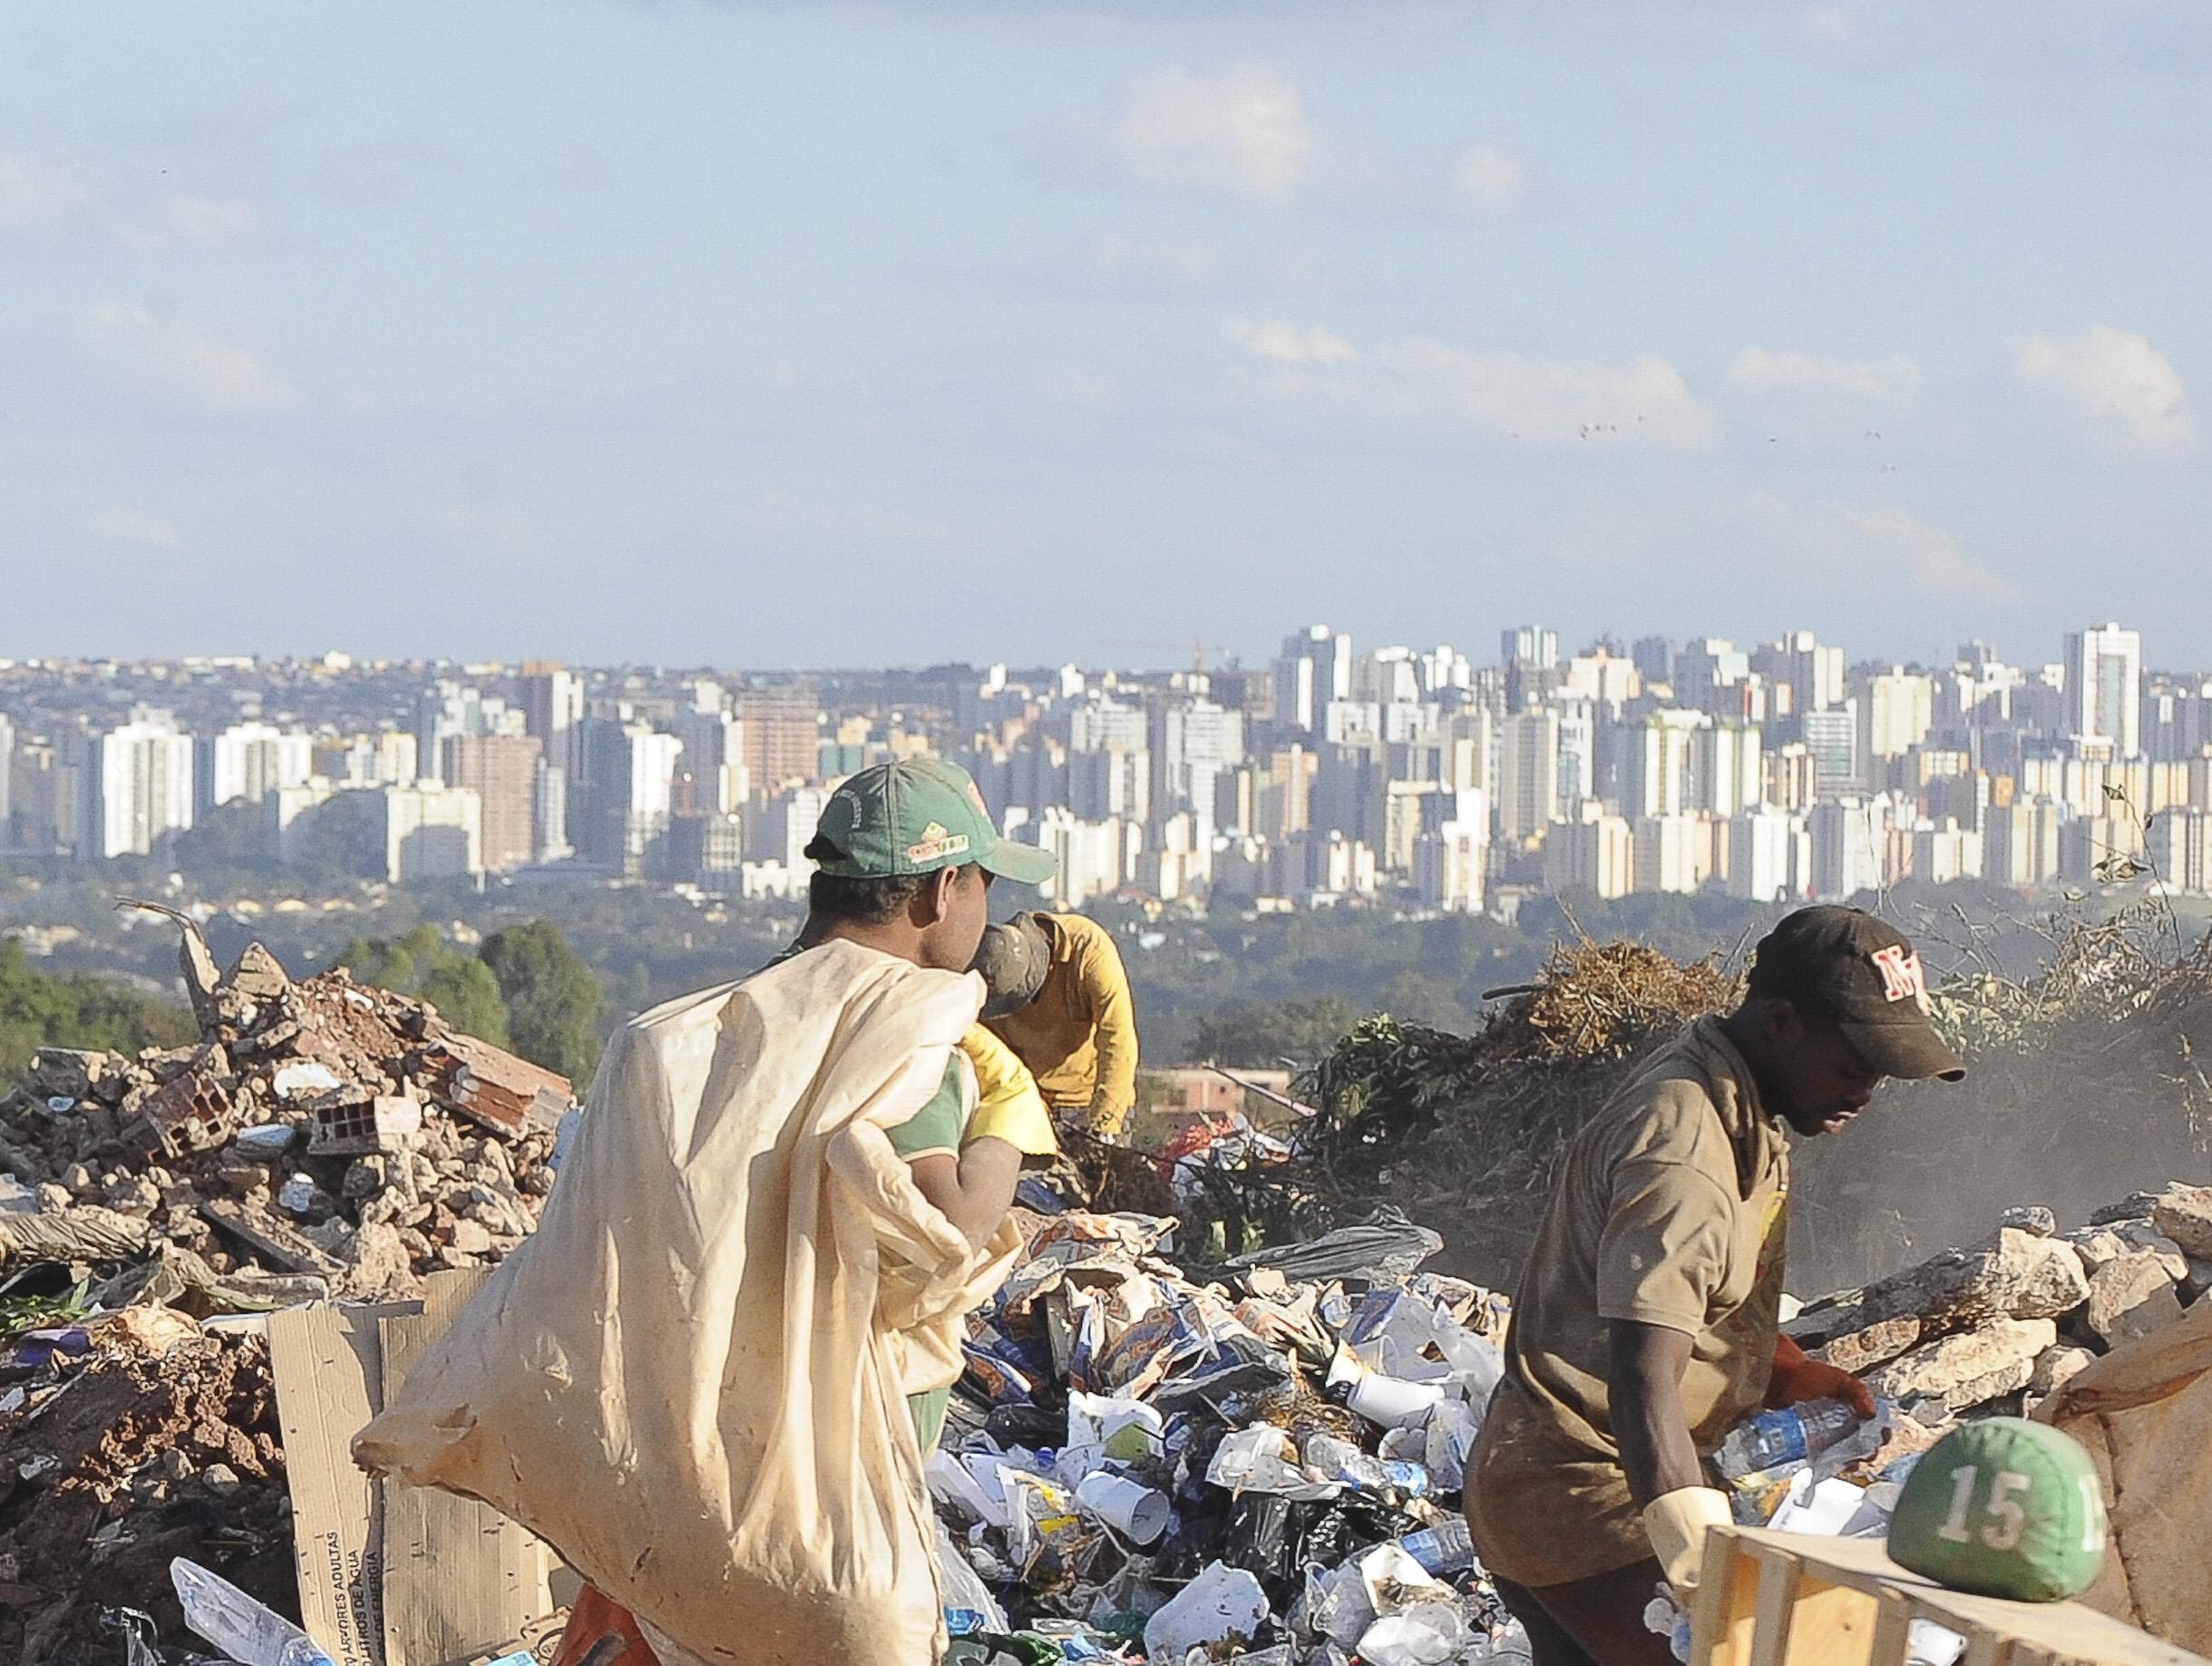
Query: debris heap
[{"x": 321, "y": 1139}]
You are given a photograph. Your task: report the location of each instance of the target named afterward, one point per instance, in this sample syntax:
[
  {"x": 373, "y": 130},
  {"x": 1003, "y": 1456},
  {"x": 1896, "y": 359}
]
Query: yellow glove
[
  {"x": 1008, "y": 1104},
  {"x": 1677, "y": 1523}
]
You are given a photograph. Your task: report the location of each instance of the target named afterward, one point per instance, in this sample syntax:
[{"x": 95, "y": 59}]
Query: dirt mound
[{"x": 123, "y": 1459}]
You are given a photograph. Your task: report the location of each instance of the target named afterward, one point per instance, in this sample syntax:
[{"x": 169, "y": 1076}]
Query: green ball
[{"x": 2003, "y": 1507}]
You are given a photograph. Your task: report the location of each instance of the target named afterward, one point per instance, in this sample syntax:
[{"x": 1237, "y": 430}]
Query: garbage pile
[
  {"x": 321, "y": 1139},
  {"x": 1263, "y": 1467}
]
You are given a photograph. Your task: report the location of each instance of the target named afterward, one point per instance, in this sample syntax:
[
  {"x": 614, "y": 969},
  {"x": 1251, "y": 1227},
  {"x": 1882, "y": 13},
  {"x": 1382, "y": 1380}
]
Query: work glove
[
  {"x": 1799, "y": 1378},
  {"x": 1677, "y": 1523}
]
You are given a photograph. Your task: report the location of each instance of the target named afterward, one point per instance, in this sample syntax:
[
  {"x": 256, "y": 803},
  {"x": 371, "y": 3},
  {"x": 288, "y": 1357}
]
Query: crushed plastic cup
[
  {"x": 1220, "y": 1603},
  {"x": 1263, "y": 1459},
  {"x": 1128, "y": 1429},
  {"x": 1137, "y": 1512},
  {"x": 1425, "y": 1635}
]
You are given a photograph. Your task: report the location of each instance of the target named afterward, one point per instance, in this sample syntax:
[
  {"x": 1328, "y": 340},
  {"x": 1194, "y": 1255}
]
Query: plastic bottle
[
  {"x": 246, "y": 1631},
  {"x": 1445, "y": 1548},
  {"x": 1790, "y": 1436},
  {"x": 1340, "y": 1460}
]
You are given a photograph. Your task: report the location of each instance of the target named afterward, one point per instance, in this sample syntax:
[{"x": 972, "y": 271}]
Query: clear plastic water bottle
[
  {"x": 1790, "y": 1436},
  {"x": 246, "y": 1631},
  {"x": 1340, "y": 1460},
  {"x": 1447, "y": 1548}
]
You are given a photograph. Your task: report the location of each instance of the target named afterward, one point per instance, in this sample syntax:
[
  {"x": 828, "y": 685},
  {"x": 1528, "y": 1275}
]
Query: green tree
[
  {"x": 422, "y": 964},
  {"x": 76, "y": 1010},
  {"x": 553, "y": 999},
  {"x": 1267, "y": 1033}
]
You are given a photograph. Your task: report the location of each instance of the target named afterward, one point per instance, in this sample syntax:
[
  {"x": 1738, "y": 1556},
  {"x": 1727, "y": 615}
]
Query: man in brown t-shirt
[{"x": 1647, "y": 1320}]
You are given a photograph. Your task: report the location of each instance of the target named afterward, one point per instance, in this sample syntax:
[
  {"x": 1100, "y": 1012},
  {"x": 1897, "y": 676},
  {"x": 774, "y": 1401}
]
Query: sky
[{"x": 767, "y": 335}]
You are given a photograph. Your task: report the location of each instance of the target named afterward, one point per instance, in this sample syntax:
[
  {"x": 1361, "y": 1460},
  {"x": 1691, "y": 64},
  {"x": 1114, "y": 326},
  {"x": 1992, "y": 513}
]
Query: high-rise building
[
  {"x": 2178, "y": 721},
  {"x": 1832, "y": 736},
  {"x": 503, "y": 772},
  {"x": 1103, "y": 784},
  {"x": 1671, "y": 854},
  {"x": 1814, "y": 671},
  {"x": 1577, "y": 750},
  {"x": 1449, "y": 864},
  {"x": 7, "y": 783},
  {"x": 1528, "y": 766},
  {"x": 779, "y": 730},
  {"x": 1771, "y": 856},
  {"x": 549, "y": 812},
  {"x": 1850, "y": 836},
  {"x": 1314, "y": 669},
  {"x": 2104, "y": 686},
  {"x": 2181, "y": 849},
  {"x": 1529, "y": 645},
  {"x": 1706, "y": 666},
  {"x": 1107, "y": 725},
  {"x": 1193, "y": 744},
  {"x": 1898, "y": 710},
  {"x": 1656, "y": 769},
  {"x": 1594, "y": 850},
  {"x": 1286, "y": 793},
  {"x": 1654, "y": 657},
  {"x": 1793, "y": 777},
  {"x": 1727, "y": 772},
  {"x": 2021, "y": 842},
  {"x": 135, "y": 786},
  {"x": 248, "y": 762},
  {"x": 430, "y": 832}
]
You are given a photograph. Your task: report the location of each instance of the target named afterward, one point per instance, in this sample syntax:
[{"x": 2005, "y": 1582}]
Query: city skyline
[
  {"x": 860, "y": 334},
  {"x": 1427, "y": 777}
]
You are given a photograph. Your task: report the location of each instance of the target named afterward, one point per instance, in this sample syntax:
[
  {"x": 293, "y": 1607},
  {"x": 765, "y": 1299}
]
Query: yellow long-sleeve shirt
[{"x": 1078, "y": 1036}]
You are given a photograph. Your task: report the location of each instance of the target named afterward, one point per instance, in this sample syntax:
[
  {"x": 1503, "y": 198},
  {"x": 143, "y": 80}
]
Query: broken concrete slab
[
  {"x": 2131, "y": 1297},
  {"x": 1966, "y": 1370},
  {"x": 2012, "y": 1275},
  {"x": 2184, "y": 1215}
]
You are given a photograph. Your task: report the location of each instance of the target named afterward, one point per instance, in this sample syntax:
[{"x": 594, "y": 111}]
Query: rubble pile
[
  {"x": 322, "y": 1138},
  {"x": 125, "y": 1442},
  {"x": 1998, "y": 1326}
]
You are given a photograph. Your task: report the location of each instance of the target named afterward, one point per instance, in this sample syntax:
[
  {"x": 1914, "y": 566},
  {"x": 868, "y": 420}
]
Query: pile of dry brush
[{"x": 2087, "y": 1083}]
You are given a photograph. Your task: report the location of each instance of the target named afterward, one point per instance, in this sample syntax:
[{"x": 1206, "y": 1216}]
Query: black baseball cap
[{"x": 1844, "y": 965}]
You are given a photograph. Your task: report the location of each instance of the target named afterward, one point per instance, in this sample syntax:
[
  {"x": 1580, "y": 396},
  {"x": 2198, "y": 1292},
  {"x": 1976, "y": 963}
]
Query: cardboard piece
[
  {"x": 458, "y": 1575},
  {"x": 328, "y": 1361},
  {"x": 392, "y": 1575}
]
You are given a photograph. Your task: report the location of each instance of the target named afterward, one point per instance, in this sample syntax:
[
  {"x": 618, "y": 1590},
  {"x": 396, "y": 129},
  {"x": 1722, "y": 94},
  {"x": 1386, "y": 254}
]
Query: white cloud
[
  {"x": 169, "y": 356},
  {"x": 1489, "y": 180},
  {"x": 1854, "y": 539},
  {"x": 1280, "y": 342},
  {"x": 1642, "y": 401},
  {"x": 2116, "y": 378},
  {"x": 37, "y": 194},
  {"x": 1873, "y": 378},
  {"x": 1518, "y": 398},
  {"x": 122, "y": 525},
  {"x": 1243, "y": 132}
]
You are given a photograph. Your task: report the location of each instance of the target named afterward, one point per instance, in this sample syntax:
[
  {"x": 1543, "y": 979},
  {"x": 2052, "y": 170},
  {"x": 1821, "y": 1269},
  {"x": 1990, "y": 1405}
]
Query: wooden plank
[
  {"x": 1774, "y": 1607},
  {"x": 1984, "y": 1647},
  {"x": 2065, "y": 1629},
  {"x": 457, "y": 1574},
  {"x": 1724, "y": 1608},
  {"x": 1893, "y": 1631},
  {"x": 1830, "y": 1623}
]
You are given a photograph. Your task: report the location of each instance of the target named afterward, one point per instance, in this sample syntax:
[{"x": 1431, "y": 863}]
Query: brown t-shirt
[{"x": 1671, "y": 1209}]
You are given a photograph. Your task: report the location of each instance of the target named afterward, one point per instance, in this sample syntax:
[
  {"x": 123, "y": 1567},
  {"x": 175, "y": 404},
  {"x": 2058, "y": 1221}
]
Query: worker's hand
[
  {"x": 1102, "y": 1122},
  {"x": 1677, "y": 1524},
  {"x": 1799, "y": 1378}
]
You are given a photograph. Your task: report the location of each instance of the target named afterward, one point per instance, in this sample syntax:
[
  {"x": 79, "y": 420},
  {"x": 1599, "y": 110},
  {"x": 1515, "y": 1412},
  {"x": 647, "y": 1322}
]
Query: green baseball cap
[{"x": 916, "y": 816}]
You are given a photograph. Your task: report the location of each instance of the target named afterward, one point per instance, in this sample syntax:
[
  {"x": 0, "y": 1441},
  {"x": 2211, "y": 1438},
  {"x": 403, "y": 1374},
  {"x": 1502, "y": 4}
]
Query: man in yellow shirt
[{"x": 1059, "y": 997}]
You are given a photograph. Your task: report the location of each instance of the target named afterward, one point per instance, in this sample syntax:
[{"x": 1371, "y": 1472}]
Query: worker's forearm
[{"x": 1644, "y": 1381}]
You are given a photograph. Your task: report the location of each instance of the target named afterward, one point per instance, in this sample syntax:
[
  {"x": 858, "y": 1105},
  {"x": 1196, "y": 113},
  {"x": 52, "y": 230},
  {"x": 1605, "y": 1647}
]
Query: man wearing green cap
[
  {"x": 904, "y": 855},
  {"x": 1646, "y": 1324},
  {"x": 753, "y": 1120}
]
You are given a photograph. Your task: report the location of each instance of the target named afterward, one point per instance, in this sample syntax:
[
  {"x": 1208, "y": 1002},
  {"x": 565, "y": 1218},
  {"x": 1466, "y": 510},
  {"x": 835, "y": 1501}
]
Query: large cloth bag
[{"x": 692, "y": 1379}]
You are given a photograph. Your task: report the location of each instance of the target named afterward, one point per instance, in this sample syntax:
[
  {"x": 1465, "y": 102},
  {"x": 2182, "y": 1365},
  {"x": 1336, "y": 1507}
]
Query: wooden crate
[{"x": 1785, "y": 1599}]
